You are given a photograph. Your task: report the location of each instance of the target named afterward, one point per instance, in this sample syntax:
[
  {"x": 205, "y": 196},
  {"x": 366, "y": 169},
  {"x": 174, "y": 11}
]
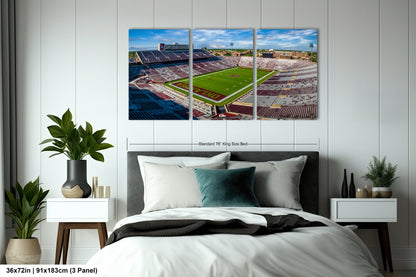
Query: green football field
[{"x": 221, "y": 87}]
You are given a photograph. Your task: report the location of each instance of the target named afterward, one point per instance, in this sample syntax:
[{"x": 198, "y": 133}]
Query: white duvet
[{"x": 329, "y": 251}]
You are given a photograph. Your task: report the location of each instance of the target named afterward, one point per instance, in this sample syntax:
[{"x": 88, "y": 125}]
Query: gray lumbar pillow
[{"x": 276, "y": 183}]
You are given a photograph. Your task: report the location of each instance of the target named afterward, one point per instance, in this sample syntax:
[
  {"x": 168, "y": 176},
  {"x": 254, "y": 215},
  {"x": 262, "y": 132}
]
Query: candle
[{"x": 361, "y": 193}]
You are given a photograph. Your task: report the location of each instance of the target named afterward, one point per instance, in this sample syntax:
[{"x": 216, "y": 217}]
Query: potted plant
[
  {"x": 25, "y": 205},
  {"x": 76, "y": 143},
  {"x": 382, "y": 175}
]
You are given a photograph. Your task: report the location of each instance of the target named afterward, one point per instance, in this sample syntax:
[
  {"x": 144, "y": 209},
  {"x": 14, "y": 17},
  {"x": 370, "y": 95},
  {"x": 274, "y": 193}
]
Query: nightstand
[
  {"x": 79, "y": 213},
  {"x": 368, "y": 213}
]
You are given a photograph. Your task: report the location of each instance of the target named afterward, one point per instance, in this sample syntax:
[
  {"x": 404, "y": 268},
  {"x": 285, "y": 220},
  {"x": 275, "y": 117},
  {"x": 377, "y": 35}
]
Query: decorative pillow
[
  {"x": 184, "y": 161},
  {"x": 171, "y": 186},
  {"x": 227, "y": 188},
  {"x": 276, "y": 183}
]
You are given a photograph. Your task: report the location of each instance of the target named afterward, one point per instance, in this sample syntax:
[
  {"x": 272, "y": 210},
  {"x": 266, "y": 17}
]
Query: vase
[
  {"x": 369, "y": 189},
  {"x": 351, "y": 189},
  {"x": 382, "y": 192},
  {"x": 76, "y": 185},
  {"x": 344, "y": 187},
  {"x": 23, "y": 251}
]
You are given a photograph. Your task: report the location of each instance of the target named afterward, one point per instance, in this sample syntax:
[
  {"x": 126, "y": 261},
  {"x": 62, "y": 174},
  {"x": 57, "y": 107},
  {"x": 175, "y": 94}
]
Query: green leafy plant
[
  {"x": 25, "y": 205},
  {"x": 381, "y": 173},
  {"x": 75, "y": 142}
]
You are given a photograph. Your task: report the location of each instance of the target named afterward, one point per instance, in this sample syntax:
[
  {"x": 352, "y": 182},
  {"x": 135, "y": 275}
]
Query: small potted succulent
[
  {"x": 25, "y": 204},
  {"x": 382, "y": 175},
  {"x": 76, "y": 143}
]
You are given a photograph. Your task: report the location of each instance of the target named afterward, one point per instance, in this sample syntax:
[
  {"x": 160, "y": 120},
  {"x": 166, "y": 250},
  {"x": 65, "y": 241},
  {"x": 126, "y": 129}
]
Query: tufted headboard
[{"x": 309, "y": 183}]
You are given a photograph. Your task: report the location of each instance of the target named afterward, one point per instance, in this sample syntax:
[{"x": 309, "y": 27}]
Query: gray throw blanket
[{"x": 188, "y": 227}]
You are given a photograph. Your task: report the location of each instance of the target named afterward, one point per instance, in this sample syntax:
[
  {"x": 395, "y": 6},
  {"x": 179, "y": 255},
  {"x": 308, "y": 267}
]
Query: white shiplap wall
[
  {"x": 74, "y": 54},
  {"x": 393, "y": 104},
  {"x": 412, "y": 123}
]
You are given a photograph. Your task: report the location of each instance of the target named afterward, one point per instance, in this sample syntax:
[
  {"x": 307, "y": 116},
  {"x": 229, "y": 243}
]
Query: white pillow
[
  {"x": 185, "y": 161},
  {"x": 276, "y": 183},
  {"x": 172, "y": 186}
]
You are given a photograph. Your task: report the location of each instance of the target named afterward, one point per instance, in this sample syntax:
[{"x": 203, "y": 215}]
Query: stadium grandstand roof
[{"x": 155, "y": 56}]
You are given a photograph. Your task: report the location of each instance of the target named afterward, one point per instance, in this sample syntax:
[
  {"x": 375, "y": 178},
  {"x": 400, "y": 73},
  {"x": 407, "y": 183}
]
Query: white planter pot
[
  {"x": 23, "y": 251},
  {"x": 382, "y": 192}
]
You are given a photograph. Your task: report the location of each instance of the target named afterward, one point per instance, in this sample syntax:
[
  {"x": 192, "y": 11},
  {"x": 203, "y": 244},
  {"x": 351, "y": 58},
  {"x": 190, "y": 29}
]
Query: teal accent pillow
[{"x": 227, "y": 187}]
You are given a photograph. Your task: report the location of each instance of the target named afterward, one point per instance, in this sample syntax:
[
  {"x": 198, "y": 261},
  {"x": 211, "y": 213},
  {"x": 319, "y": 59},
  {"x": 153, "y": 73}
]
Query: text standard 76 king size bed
[{"x": 229, "y": 214}]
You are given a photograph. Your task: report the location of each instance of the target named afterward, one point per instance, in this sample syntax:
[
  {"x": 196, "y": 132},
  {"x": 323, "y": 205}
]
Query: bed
[{"x": 167, "y": 233}]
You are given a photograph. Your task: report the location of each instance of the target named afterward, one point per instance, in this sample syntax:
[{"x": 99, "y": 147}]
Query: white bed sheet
[{"x": 328, "y": 251}]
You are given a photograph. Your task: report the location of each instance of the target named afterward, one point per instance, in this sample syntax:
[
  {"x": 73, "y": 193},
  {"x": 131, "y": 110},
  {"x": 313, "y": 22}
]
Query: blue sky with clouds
[
  {"x": 278, "y": 39},
  {"x": 287, "y": 39},
  {"x": 148, "y": 39},
  {"x": 222, "y": 38}
]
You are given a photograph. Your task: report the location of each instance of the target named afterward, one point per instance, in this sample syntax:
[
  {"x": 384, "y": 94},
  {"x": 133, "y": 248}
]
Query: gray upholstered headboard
[{"x": 309, "y": 183}]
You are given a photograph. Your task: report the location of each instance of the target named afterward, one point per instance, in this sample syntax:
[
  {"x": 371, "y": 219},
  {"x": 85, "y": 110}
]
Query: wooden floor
[{"x": 400, "y": 273}]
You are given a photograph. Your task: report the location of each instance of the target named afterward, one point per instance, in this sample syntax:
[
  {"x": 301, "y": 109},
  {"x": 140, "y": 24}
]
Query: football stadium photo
[{"x": 222, "y": 74}]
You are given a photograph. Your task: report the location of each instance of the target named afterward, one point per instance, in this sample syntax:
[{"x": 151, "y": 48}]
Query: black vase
[
  {"x": 76, "y": 185},
  {"x": 344, "y": 187},
  {"x": 351, "y": 189}
]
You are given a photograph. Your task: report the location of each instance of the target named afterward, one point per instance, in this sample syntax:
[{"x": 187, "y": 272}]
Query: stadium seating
[
  {"x": 288, "y": 112},
  {"x": 290, "y": 94},
  {"x": 154, "y": 56},
  {"x": 240, "y": 109}
]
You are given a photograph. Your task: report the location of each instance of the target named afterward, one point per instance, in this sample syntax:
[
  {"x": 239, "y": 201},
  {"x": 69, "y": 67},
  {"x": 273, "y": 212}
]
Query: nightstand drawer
[
  {"x": 80, "y": 209},
  {"x": 364, "y": 210}
]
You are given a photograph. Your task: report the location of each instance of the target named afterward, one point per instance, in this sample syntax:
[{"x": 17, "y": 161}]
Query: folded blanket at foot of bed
[{"x": 188, "y": 227}]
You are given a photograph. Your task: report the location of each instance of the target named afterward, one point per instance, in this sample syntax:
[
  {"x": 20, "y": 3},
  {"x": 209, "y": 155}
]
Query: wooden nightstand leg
[
  {"x": 384, "y": 229},
  {"x": 66, "y": 242},
  {"x": 102, "y": 233},
  {"x": 59, "y": 243},
  {"x": 382, "y": 245}
]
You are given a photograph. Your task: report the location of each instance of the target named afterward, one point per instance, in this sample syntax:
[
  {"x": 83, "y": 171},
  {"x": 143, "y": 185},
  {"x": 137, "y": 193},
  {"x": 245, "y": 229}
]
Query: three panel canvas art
[{"x": 231, "y": 74}]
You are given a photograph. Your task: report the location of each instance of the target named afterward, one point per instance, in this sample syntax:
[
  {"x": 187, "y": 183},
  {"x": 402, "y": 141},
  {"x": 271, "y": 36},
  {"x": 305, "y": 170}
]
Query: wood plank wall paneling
[
  {"x": 96, "y": 75},
  {"x": 237, "y": 132},
  {"x": 96, "y": 82},
  {"x": 173, "y": 14},
  {"x": 204, "y": 12},
  {"x": 203, "y": 131},
  {"x": 28, "y": 80},
  {"x": 412, "y": 123},
  {"x": 57, "y": 90},
  {"x": 394, "y": 115},
  {"x": 243, "y": 13},
  {"x": 313, "y": 14},
  {"x": 171, "y": 132},
  {"x": 353, "y": 88},
  {"x": 57, "y": 79},
  {"x": 278, "y": 13},
  {"x": 277, "y": 135},
  {"x": 137, "y": 131},
  {"x": 75, "y": 52}
]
